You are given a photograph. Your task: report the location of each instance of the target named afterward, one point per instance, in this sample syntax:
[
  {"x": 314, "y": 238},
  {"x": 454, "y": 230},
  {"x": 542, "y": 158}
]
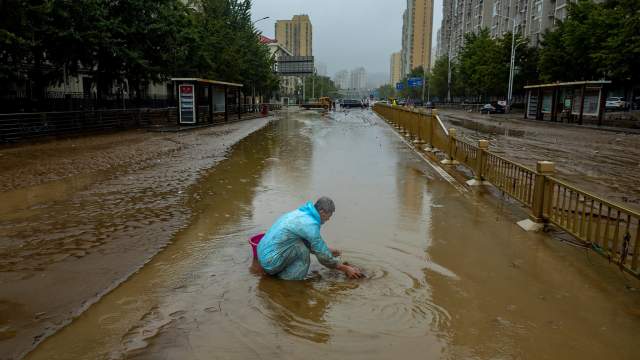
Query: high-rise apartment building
[
  {"x": 321, "y": 69},
  {"x": 417, "y": 29},
  {"x": 342, "y": 79},
  {"x": 358, "y": 79},
  {"x": 396, "y": 68},
  {"x": 532, "y": 18},
  {"x": 296, "y": 35}
]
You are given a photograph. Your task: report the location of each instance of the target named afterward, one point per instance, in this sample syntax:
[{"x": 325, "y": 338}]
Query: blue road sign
[
  {"x": 399, "y": 86},
  {"x": 415, "y": 82}
]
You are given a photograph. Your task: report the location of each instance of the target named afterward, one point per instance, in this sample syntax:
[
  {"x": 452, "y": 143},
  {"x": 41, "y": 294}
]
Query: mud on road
[
  {"x": 78, "y": 216},
  {"x": 450, "y": 274},
  {"x": 606, "y": 163}
]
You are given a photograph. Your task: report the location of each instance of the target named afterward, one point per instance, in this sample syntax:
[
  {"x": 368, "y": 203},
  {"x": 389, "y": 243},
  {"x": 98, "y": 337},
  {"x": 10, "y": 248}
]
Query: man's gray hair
[{"x": 325, "y": 204}]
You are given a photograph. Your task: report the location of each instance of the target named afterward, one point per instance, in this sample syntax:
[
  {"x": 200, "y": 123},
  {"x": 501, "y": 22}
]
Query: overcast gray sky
[{"x": 347, "y": 33}]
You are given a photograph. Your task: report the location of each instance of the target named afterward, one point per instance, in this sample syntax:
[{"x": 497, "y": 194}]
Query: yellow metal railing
[
  {"x": 514, "y": 179},
  {"x": 610, "y": 229}
]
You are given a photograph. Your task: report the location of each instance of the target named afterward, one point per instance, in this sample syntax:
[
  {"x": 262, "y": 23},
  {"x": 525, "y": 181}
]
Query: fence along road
[
  {"x": 610, "y": 229},
  {"x": 19, "y": 127}
]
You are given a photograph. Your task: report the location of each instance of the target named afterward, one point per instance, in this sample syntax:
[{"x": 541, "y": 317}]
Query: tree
[
  {"x": 618, "y": 56},
  {"x": 525, "y": 64},
  {"x": 596, "y": 40},
  {"x": 23, "y": 29},
  {"x": 412, "y": 93},
  {"x": 439, "y": 77},
  {"x": 482, "y": 67},
  {"x": 566, "y": 51},
  {"x": 133, "y": 42},
  {"x": 387, "y": 91},
  {"x": 229, "y": 47},
  {"x": 319, "y": 86}
]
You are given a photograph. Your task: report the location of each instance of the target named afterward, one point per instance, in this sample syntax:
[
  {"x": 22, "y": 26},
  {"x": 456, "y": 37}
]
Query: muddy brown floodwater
[{"x": 449, "y": 274}]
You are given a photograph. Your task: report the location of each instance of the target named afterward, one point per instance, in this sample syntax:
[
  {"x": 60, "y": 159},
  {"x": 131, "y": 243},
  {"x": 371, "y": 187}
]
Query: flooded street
[{"x": 449, "y": 273}]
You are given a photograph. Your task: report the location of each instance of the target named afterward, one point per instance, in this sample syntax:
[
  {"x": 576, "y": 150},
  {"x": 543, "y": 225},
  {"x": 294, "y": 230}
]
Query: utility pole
[
  {"x": 511, "y": 67},
  {"x": 313, "y": 84},
  {"x": 424, "y": 80},
  {"x": 449, "y": 57},
  {"x": 449, "y": 71},
  {"x": 513, "y": 57}
]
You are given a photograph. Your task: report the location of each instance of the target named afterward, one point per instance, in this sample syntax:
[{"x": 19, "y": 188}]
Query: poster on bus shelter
[{"x": 187, "y": 105}]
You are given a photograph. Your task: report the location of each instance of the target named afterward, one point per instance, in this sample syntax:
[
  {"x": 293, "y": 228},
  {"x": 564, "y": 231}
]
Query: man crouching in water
[{"x": 285, "y": 249}]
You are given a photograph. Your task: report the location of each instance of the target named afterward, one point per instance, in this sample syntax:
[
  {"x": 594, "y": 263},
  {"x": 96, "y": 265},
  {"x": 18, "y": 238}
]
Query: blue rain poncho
[{"x": 285, "y": 249}]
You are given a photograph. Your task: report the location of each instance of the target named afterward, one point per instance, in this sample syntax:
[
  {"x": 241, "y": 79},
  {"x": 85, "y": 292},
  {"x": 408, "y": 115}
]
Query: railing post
[
  {"x": 419, "y": 125},
  {"x": 450, "y": 149},
  {"x": 396, "y": 118},
  {"x": 430, "y": 122},
  {"x": 411, "y": 126},
  {"x": 478, "y": 175},
  {"x": 542, "y": 193}
]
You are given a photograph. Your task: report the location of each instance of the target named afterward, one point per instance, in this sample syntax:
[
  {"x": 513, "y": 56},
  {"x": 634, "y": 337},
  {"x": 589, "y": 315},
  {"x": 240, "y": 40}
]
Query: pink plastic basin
[{"x": 254, "y": 241}]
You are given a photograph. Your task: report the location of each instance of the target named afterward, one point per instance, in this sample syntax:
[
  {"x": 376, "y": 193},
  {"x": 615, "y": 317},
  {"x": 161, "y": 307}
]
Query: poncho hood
[{"x": 310, "y": 210}]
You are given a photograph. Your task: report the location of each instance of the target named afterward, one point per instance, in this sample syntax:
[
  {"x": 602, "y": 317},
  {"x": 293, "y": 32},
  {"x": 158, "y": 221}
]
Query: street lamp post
[
  {"x": 449, "y": 70},
  {"x": 512, "y": 63},
  {"x": 257, "y": 21}
]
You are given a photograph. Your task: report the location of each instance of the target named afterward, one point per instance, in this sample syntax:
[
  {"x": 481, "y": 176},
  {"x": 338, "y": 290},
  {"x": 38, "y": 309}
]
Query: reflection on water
[{"x": 299, "y": 307}]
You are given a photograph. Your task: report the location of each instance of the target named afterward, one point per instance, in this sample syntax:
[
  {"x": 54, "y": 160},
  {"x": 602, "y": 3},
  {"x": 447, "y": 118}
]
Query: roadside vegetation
[
  {"x": 596, "y": 41},
  {"x": 42, "y": 41}
]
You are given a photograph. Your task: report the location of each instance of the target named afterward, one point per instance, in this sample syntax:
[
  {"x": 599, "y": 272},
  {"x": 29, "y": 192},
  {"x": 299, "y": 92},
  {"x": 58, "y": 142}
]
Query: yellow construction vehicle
[{"x": 322, "y": 103}]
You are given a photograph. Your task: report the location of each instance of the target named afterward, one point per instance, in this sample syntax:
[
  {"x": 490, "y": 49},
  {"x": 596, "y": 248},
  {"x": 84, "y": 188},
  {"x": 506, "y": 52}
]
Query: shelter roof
[
  {"x": 574, "y": 83},
  {"x": 207, "y": 81}
]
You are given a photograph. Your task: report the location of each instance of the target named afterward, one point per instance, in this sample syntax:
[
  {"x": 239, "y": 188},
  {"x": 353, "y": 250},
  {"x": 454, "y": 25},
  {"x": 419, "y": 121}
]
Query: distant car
[
  {"x": 348, "y": 104},
  {"x": 492, "y": 109},
  {"x": 430, "y": 105},
  {"x": 616, "y": 103},
  {"x": 402, "y": 102}
]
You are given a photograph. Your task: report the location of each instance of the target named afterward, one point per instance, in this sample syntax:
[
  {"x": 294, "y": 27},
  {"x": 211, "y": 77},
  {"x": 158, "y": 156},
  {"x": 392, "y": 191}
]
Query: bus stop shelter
[
  {"x": 200, "y": 101},
  {"x": 566, "y": 102}
]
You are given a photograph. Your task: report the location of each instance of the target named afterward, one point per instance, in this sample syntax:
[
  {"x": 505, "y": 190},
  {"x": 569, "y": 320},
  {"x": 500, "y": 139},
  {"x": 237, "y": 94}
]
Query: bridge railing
[{"x": 610, "y": 229}]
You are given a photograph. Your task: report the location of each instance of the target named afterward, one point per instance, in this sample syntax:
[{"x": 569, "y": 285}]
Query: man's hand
[
  {"x": 352, "y": 272},
  {"x": 335, "y": 252}
]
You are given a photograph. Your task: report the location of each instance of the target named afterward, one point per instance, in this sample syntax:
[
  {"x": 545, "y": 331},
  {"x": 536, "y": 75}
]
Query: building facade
[
  {"x": 358, "y": 79},
  {"x": 417, "y": 30},
  {"x": 288, "y": 84},
  {"x": 532, "y": 18},
  {"x": 296, "y": 35},
  {"x": 321, "y": 69},
  {"x": 342, "y": 79},
  {"x": 396, "y": 68}
]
